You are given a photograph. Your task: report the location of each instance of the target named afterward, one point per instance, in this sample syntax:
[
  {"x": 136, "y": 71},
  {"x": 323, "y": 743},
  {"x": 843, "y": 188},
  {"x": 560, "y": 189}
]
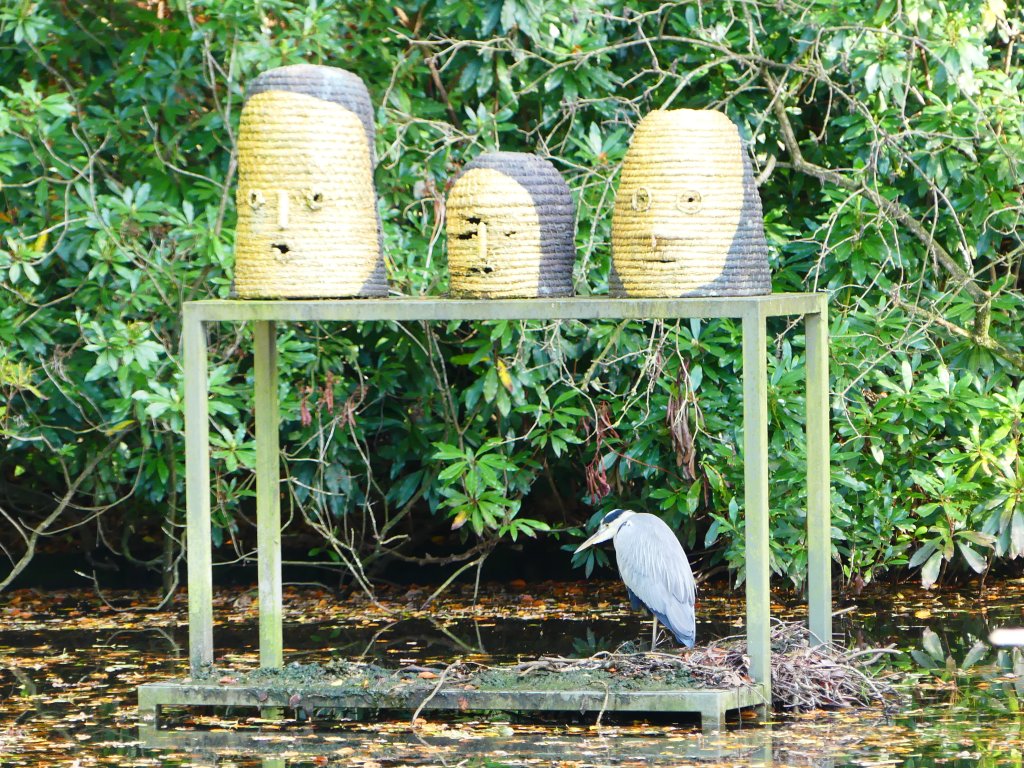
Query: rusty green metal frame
[
  {"x": 752, "y": 311},
  {"x": 711, "y": 704}
]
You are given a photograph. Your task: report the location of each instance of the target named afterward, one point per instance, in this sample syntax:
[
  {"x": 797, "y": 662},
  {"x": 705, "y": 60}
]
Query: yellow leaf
[
  {"x": 459, "y": 521},
  {"x": 993, "y": 12},
  {"x": 119, "y": 426},
  {"x": 41, "y": 241},
  {"x": 503, "y": 374}
]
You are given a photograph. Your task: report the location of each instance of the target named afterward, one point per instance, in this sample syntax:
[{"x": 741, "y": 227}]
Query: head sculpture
[
  {"x": 687, "y": 218},
  {"x": 307, "y": 212},
  {"x": 511, "y": 227}
]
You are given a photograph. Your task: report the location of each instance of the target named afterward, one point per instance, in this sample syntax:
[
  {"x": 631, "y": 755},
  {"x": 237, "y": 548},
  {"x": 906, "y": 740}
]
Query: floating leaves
[{"x": 70, "y": 664}]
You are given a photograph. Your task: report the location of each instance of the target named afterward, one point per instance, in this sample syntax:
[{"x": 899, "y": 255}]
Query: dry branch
[
  {"x": 889, "y": 207},
  {"x": 32, "y": 539}
]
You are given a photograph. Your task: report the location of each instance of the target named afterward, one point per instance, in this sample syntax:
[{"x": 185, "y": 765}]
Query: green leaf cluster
[{"x": 888, "y": 145}]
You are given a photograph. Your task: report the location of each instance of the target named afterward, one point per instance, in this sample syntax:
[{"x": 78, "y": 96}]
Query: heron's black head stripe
[{"x": 612, "y": 516}]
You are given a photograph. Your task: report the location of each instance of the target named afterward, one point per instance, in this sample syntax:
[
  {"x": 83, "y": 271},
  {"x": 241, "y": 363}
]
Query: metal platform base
[{"x": 711, "y": 705}]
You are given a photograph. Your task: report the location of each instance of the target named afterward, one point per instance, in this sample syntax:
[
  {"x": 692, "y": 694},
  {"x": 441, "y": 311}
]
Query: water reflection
[{"x": 477, "y": 744}]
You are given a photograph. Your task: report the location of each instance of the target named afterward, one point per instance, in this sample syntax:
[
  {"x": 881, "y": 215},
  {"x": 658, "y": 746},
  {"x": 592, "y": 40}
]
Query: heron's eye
[
  {"x": 314, "y": 200},
  {"x": 689, "y": 202},
  {"x": 255, "y": 199},
  {"x": 641, "y": 199}
]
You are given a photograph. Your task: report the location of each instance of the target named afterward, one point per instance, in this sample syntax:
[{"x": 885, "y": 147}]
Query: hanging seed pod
[
  {"x": 307, "y": 214},
  {"x": 511, "y": 228},
  {"x": 687, "y": 218}
]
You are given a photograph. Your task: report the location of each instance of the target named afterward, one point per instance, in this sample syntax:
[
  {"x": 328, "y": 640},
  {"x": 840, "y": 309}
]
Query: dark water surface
[{"x": 70, "y": 663}]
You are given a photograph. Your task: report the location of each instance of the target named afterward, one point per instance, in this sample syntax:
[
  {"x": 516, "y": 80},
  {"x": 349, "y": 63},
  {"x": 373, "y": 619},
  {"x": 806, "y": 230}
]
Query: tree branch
[
  {"x": 982, "y": 340},
  {"x": 40, "y": 530},
  {"x": 889, "y": 207}
]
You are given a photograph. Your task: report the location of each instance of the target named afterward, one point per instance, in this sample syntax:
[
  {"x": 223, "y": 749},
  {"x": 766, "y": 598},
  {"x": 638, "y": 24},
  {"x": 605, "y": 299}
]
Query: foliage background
[{"x": 888, "y": 142}]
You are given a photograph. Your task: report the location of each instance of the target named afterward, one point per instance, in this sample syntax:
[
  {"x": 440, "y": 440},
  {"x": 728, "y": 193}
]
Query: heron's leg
[{"x": 654, "y": 634}]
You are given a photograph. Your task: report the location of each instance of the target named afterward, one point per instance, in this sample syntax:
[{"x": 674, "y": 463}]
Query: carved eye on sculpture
[
  {"x": 255, "y": 199},
  {"x": 314, "y": 200},
  {"x": 473, "y": 229},
  {"x": 689, "y": 202},
  {"x": 641, "y": 199}
]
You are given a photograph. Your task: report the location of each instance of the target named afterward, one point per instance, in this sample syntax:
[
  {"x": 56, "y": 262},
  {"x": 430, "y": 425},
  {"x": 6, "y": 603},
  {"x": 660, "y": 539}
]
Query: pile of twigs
[
  {"x": 805, "y": 676},
  {"x": 808, "y": 676}
]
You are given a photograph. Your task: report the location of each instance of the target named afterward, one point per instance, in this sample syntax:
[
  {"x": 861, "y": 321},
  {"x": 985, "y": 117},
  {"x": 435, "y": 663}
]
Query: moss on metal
[
  {"x": 343, "y": 677},
  {"x": 807, "y": 675}
]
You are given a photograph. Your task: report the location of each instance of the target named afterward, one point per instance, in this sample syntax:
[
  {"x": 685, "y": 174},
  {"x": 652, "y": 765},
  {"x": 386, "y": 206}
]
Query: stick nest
[{"x": 805, "y": 676}]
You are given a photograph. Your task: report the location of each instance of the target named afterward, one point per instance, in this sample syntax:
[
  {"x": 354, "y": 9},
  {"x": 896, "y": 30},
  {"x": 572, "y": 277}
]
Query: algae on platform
[{"x": 341, "y": 676}]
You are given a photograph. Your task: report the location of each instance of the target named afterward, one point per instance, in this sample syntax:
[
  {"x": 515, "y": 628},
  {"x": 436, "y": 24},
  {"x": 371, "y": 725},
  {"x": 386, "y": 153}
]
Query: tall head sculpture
[
  {"x": 511, "y": 228},
  {"x": 307, "y": 213},
  {"x": 687, "y": 218}
]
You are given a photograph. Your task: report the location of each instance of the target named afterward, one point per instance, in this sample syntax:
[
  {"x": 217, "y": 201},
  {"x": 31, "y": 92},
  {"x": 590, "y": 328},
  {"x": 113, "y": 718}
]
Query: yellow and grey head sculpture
[
  {"x": 687, "y": 218},
  {"x": 307, "y": 213},
  {"x": 511, "y": 228}
]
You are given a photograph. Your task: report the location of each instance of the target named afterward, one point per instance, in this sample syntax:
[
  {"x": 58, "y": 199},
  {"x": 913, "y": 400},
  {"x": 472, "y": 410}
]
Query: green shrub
[{"x": 888, "y": 142}]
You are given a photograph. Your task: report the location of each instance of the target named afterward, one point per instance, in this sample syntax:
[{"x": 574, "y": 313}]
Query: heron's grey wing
[
  {"x": 654, "y": 567},
  {"x": 634, "y": 601}
]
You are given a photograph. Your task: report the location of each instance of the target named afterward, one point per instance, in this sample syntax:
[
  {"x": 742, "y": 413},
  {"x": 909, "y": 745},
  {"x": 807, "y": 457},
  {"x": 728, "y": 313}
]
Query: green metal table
[{"x": 711, "y": 704}]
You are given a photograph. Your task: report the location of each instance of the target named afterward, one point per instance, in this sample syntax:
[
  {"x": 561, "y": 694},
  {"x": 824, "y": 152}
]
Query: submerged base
[{"x": 711, "y": 704}]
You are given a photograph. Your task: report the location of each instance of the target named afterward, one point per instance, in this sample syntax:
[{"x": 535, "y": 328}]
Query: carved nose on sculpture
[
  {"x": 661, "y": 238},
  {"x": 282, "y": 210},
  {"x": 282, "y": 248},
  {"x": 481, "y": 239},
  {"x": 664, "y": 243}
]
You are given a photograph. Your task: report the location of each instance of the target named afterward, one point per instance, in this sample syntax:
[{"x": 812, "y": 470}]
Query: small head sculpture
[
  {"x": 687, "y": 218},
  {"x": 511, "y": 228},
  {"x": 307, "y": 213}
]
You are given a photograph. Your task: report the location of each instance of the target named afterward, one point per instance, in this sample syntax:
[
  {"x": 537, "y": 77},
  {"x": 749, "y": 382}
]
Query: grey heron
[{"x": 654, "y": 568}]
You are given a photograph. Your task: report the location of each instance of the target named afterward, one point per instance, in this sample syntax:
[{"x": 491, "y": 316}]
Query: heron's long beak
[{"x": 601, "y": 534}]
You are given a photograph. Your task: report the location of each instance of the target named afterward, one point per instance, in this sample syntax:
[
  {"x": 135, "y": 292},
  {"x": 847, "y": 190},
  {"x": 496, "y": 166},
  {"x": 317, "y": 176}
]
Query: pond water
[{"x": 70, "y": 663}]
